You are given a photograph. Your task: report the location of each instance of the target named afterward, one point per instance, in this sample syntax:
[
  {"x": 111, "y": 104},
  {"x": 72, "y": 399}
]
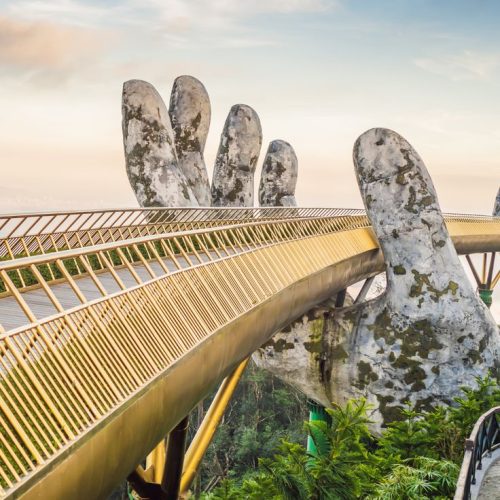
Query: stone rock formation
[
  {"x": 279, "y": 176},
  {"x": 190, "y": 115},
  {"x": 150, "y": 156},
  {"x": 496, "y": 208},
  {"x": 419, "y": 341},
  {"x": 233, "y": 177},
  {"x": 422, "y": 339}
]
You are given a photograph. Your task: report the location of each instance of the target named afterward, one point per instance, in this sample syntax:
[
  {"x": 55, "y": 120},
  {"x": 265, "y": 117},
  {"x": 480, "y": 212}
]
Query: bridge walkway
[
  {"x": 490, "y": 486},
  {"x": 40, "y": 304}
]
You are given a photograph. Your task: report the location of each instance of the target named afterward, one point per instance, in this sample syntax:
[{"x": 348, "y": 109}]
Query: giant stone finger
[
  {"x": 279, "y": 176},
  {"x": 190, "y": 115},
  {"x": 233, "y": 177},
  {"x": 150, "y": 156}
]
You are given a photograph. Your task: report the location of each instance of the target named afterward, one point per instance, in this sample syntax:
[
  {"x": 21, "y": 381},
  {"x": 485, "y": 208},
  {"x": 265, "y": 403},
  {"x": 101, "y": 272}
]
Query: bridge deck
[{"x": 40, "y": 304}]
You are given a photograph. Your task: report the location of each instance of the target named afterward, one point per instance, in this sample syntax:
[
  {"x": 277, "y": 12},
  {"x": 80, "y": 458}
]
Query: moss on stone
[
  {"x": 338, "y": 353},
  {"x": 382, "y": 326},
  {"x": 419, "y": 338},
  {"x": 399, "y": 269},
  {"x": 414, "y": 373},
  {"x": 423, "y": 281},
  {"x": 369, "y": 200},
  {"x": 365, "y": 375},
  {"x": 233, "y": 194},
  {"x": 279, "y": 345}
]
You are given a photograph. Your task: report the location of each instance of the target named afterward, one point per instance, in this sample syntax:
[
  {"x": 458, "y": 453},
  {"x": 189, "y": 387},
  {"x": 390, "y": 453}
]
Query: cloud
[
  {"x": 49, "y": 54},
  {"x": 209, "y": 10},
  {"x": 221, "y": 23},
  {"x": 467, "y": 65},
  {"x": 64, "y": 11},
  {"x": 41, "y": 45},
  {"x": 131, "y": 11},
  {"x": 181, "y": 23}
]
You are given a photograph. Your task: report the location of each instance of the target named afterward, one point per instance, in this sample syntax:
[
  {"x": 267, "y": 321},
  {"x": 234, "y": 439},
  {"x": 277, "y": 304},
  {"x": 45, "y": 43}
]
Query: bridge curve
[{"x": 88, "y": 391}]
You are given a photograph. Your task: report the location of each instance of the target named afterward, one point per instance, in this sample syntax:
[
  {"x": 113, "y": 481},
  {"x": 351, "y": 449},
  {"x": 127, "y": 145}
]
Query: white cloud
[
  {"x": 179, "y": 22},
  {"x": 231, "y": 9},
  {"x": 62, "y": 11},
  {"x": 190, "y": 11},
  {"x": 48, "y": 54},
  {"x": 467, "y": 65},
  {"x": 219, "y": 23}
]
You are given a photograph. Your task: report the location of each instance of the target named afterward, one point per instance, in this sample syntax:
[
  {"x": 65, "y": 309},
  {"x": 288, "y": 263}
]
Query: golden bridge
[{"x": 116, "y": 323}]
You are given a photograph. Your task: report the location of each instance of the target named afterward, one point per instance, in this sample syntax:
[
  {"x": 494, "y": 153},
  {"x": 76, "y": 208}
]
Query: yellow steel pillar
[
  {"x": 162, "y": 478},
  {"x": 155, "y": 463},
  {"x": 205, "y": 433}
]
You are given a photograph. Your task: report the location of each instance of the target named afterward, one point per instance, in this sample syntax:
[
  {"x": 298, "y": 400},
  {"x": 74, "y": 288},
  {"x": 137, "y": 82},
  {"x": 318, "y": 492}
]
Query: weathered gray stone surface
[
  {"x": 279, "y": 176},
  {"x": 496, "y": 208},
  {"x": 233, "y": 177},
  {"x": 150, "y": 156},
  {"x": 429, "y": 333},
  {"x": 190, "y": 116},
  {"x": 297, "y": 354}
]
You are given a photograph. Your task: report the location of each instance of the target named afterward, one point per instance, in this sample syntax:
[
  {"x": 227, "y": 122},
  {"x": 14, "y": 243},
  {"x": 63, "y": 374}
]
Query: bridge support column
[
  {"x": 206, "y": 431},
  {"x": 487, "y": 281},
  {"x": 486, "y": 296},
  {"x": 317, "y": 412},
  {"x": 155, "y": 463},
  {"x": 176, "y": 446}
]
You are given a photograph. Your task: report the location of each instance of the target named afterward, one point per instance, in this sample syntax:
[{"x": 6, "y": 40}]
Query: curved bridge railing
[
  {"x": 27, "y": 234},
  {"x": 482, "y": 443},
  {"x": 32, "y": 233},
  {"x": 105, "y": 348}
]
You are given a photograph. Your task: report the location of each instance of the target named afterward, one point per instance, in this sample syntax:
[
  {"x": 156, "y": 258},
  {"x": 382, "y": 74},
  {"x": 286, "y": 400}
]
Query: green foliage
[
  {"x": 262, "y": 413},
  {"x": 417, "y": 457},
  {"x": 425, "y": 478},
  {"x": 440, "y": 433}
]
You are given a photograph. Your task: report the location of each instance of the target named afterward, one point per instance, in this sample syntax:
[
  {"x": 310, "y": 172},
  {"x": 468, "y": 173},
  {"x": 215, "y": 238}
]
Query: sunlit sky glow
[{"x": 318, "y": 72}]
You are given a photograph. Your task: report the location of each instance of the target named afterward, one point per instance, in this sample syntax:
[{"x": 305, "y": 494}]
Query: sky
[{"x": 318, "y": 72}]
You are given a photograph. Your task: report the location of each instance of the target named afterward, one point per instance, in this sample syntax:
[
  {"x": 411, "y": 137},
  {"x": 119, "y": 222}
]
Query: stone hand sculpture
[
  {"x": 496, "y": 208},
  {"x": 164, "y": 151},
  {"x": 419, "y": 341},
  {"x": 423, "y": 338}
]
